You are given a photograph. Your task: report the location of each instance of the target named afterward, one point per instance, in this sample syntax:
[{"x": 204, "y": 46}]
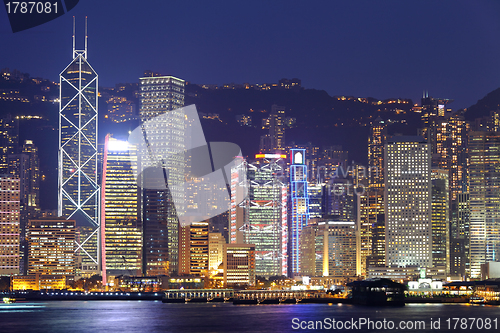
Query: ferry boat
[{"x": 377, "y": 292}]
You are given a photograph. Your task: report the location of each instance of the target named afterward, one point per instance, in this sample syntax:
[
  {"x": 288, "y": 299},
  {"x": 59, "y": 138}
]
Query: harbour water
[{"x": 154, "y": 316}]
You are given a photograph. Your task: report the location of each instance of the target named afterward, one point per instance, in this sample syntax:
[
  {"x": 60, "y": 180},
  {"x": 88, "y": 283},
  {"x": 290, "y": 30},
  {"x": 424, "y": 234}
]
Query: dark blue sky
[{"x": 362, "y": 48}]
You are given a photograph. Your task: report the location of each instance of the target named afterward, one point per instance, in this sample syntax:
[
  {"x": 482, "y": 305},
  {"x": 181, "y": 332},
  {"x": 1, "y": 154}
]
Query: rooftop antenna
[
  {"x": 86, "y": 37},
  {"x": 73, "y": 37}
]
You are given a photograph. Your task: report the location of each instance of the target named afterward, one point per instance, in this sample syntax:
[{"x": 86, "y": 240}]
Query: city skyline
[{"x": 326, "y": 54}]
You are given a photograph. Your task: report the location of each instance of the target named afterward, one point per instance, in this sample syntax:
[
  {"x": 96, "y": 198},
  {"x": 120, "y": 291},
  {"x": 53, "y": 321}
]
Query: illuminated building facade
[
  {"x": 277, "y": 127},
  {"x": 239, "y": 264},
  {"x": 51, "y": 244},
  {"x": 78, "y": 188},
  {"x": 440, "y": 219},
  {"x": 239, "y": 208},
  {"x": 19, "y": 167},
  {"x": 123, "y": 230},
  {"x": 376, "y": 142},
  {"x": 194, "y": 249},
  {"x": 459, "y": 239},
  {"x": 328, "y": 248},
  {"x": 484, "y": 196},
  {"x": 9, "y": 140},
  {"x": 215, "y": 250},
  {"x": 199, "y": 248},
  {"x": 377, "y": 256},
  {"x": 159, "y": 95},
  {"x": 266, "y": 223},
  {"x": 120, "y": 109},
  {"x": 299, "y": 205},
  {"x": 408, "y": 226},
  {"x": 315, "y": 193},
  {"x": 9, "y": 225}
]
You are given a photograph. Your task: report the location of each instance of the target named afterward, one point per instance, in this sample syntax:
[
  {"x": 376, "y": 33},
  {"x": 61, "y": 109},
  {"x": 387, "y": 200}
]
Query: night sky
[{"x": 380, "y": 49}]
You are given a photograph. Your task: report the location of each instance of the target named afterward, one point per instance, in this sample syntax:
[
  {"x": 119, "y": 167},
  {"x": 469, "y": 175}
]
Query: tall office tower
[
  {"x": 459, "y": 239},
  {"x": 51, "y": 247},
  {"x": 376, "y": 142},
  {"x": 215, "y": 250},
  {"x": 440, "y": 219},
  {"x": 408, "y": 227},
  {"x": 159, "y": 95},
  {"x": 9, "y": 140},
  {"x": 372, "y": 204},
  {"x": 78, "y": 188},
  {"x": 31, "y": 150},
  {"x": 274, "y": 141},
  {"x": 299, "y": 206},
  {"x": 9, "y": 225},
  {"x": 277, "y": 127},
  {"x": 328, "y": 248},
  {"x": 341, "y": 199},
  {"x": 122, "y": 225},
  {"x": 239, "y": 264},
  {"x": 266, "y": 218},
  {"x": 18, "y": 167},
  {"x": 369, "y": 212},
  {"x": 484, "y": 196},
  {"x": 239, "y": 208}
]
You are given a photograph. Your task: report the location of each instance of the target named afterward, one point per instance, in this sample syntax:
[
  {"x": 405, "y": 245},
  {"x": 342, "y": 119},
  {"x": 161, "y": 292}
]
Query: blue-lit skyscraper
[{"x": 299, "y": 205}]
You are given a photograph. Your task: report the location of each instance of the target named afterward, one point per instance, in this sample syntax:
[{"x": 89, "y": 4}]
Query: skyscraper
[
  {"x": 266, "y": 218},
  {"x": 484, "y": 196},
  {"x": 277, "y": 127},
  {"x": 78, "y": 188},
  {"x": 376, "y": 142},
  {"x": 123, "y": 230},
  {"x": 299, "y": 205},
  {"x": 274, "y": 141},
  {"x": 9, "y": 225},
  {"x": 159, "y": 95},
  {"x": 440, "y": 219},
  {"x": 408, "y": 226}
]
